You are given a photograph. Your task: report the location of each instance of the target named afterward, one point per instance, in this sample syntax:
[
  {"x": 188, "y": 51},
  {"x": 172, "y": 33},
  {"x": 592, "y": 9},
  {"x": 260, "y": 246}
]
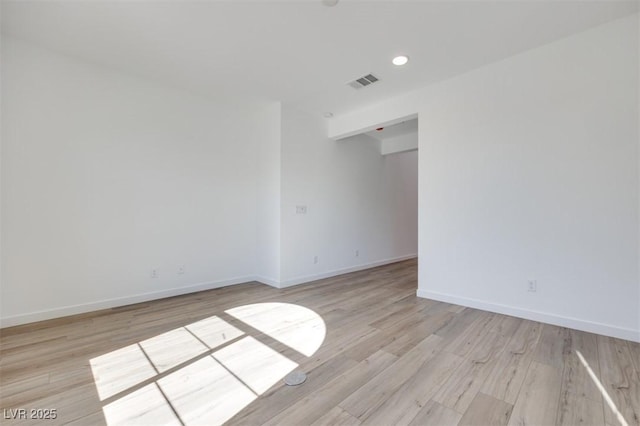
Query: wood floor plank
[
  {"x": 281, "y": 397},
  {"x": 435, "y": 414},
  {"x": 582, "y": 347},
  {"x": 459, "y": 324},
  {"x": 374, "y": 393},
  {"x": 317, "y": 404},
  {"x": 19, "y": 385},
  {"x": 486, "y": 410},
  {"x": 634, "y": 349},
  {"x": 71, "y": 404},
  {"x": 576, "y": 409},
  {"x": 551, "y": 346},
  {"x": 619, "y": 380},
  {"x": 413, "y": 395},
  {"x": 96, "y": 418},
  {"x": 463, "y": 342},
  {"x": 369, "y": 346},
  {"x": 462, "y": 387},
  {"x": 580, "y": 399},
  {"x": 408, "y": 337},
  {"x": 336, "y": 417},
  {"x": 388, "y": 357},
  {"x": 505, "y": 380},
  {"x": 537, "y": 403}
]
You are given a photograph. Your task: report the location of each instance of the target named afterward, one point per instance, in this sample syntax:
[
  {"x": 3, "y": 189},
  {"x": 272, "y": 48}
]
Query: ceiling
[{"x": 299, "y": 52}]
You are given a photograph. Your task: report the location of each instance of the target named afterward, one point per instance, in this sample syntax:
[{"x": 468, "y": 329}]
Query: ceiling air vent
[{"x": 364, "y": 81}]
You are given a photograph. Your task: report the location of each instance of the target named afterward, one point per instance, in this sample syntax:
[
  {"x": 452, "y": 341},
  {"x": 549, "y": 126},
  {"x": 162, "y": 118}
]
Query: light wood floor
[{"x": 388, "y": 358}]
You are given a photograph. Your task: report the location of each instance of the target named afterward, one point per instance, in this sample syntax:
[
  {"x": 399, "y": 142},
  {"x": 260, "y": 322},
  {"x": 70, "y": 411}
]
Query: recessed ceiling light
[{"x": 400, "y": 60}]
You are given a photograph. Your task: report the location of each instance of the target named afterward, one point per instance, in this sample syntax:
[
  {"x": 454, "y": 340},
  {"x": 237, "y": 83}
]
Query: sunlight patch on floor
[
  {"x": 603, "y": 391},
  {"x": 172, "y": 348},
  {"x": 146, "y": 406},
  {"x": 119, "y": 370},
  {"x": 205, "y": 393},
  {"x": 178, "y": 377},
  {"x": 257, "y": 365},
  {"x": 214, "y": 331},
  {"x": 298, "y": 327}
]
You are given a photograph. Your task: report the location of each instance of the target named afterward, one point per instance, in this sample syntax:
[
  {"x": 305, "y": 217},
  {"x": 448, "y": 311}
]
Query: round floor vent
[{"x": 295, "y": 378}]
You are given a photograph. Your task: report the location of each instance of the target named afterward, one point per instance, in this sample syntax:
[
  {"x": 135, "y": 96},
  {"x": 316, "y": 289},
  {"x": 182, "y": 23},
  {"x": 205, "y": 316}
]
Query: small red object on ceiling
[{"x": 379, "y": 129}]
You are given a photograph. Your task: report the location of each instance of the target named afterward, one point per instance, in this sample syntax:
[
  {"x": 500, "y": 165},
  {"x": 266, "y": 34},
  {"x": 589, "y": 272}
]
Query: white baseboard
[
  {"x": 119, "y": 301},
  {"x": 335, "y": 272},
  {"x": 268, "y": 281},
  {"x": 562, "y": 321},
  {"x": 145, "y": 297}
]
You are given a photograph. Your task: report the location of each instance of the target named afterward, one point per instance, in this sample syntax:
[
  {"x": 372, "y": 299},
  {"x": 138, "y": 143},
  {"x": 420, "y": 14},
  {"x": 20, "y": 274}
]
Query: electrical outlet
[
  {"x": 315, "y": 259},
  {"x": 357, "y": 253},
  {"x": 181, "y": 269},
  {"x": 154, "y": 273},
  {"x": 532, "y": 286}
]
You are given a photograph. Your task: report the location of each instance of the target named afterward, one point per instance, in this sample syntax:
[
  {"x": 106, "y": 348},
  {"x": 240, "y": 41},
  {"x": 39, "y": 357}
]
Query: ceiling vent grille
[{"x": 363, "y": 81}]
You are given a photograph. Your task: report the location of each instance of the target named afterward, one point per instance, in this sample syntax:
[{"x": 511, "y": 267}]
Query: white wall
[
  {"x": 399, "y": 143},
  {"x": 105, "y": 177},
  {"x": 356, "y": 200},
  {"x": 268, "y": 135},
  {"x": 529, "y": 170},
  {"x": 638, "y": 153}
]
